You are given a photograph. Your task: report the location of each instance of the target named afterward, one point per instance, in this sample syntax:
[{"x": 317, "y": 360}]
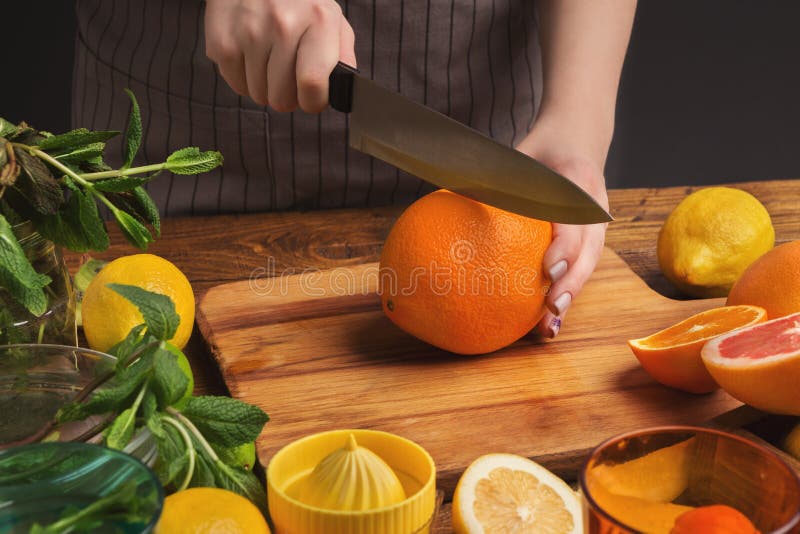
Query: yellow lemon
[
  {"x": 108, "y": 316},
  {"x": 791, "y": 442},
  {"x": 207, "y": 510},
  {"x": 508, "y": 493},
  {"x": 711, "y": 237}
]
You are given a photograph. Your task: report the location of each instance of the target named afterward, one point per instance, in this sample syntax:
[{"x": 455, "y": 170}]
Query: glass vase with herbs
[{"x": 50, "y": 189}]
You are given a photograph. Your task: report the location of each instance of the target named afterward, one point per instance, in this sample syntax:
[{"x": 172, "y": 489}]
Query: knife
[{"x": 448, "y": 154}]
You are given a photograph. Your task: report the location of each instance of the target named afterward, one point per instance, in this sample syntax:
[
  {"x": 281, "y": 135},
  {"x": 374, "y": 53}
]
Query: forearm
[{"x": 583, "y": 48}]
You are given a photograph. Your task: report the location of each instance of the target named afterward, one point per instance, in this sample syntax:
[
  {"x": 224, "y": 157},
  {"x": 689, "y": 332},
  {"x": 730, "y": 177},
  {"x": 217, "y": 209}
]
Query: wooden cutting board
[{"x": 315, "y": 351}]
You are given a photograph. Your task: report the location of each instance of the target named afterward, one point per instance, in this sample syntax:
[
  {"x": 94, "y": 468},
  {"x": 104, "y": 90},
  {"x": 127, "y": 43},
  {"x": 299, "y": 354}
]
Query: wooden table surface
[{"x": 218, "y": 249}]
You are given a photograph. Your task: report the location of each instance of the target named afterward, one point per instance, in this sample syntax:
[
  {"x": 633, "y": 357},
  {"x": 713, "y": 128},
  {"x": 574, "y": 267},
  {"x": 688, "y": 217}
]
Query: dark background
[{"x": 710, "y": 91}]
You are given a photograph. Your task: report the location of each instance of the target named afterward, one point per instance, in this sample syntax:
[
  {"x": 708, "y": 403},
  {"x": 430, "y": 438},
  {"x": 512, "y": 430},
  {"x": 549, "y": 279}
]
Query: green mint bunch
[
  {"x": 57, "y": 183},
  {"x": 144, "y": 389}
]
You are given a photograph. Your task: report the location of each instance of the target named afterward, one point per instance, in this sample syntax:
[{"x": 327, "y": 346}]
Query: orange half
[{"x": 672, "y": 356}]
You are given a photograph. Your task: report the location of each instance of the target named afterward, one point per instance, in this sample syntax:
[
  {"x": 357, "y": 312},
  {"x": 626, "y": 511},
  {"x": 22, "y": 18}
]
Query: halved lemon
[{"x": 501, "y": 493}]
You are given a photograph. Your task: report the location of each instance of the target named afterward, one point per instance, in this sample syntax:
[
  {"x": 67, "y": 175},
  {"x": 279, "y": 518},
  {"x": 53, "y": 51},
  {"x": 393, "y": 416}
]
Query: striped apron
[{"x": 477, "y": 61}]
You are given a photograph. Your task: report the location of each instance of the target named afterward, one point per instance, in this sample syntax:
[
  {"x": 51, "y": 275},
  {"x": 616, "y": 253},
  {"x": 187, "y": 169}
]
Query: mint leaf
[
  {"x": 33, "y": 299},
  {"x": 173, "y": 458},
  {"x": 121, "y": 184},
  {"x": 74, "y": 139},
  {"x": 84, "y": 153},
  {"x": 6, "y": 128},
  {"x": 17, "y": 275},
  {"x": 169, "y": 382},
  {"x": 157, "y": 310},
  {"x": 133, "y": 134},
  {"x": 117, "y": 393},
  {"x": 77, "y": 225},
  {"x": 151, "y": 415},
  {"x": 203, "y": 476},
  {"x": 243, "y": 482},
  {"x": 147, "y": 208},
  {"x": 191, "y": 161},
  {"x": 82, "y": 214},
  {"x": 134, "y": 231},
  {"x": 121, "y": 430},
  {"x": 224, "y": 421},
  {"x": 37, "y": 185},
  {"x": 125, "y": 348}
]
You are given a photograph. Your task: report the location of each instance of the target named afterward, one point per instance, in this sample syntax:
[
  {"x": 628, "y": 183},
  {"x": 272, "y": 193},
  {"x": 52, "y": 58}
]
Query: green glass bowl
[{"x": 39, "y": 482}]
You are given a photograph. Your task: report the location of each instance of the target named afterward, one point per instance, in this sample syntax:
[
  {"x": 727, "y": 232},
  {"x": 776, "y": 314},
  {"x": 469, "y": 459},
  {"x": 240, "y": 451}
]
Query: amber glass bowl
[{"x": 642, "y": 481}]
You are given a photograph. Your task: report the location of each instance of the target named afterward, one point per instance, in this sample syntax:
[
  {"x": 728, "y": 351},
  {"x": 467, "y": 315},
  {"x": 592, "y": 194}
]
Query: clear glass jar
[{"x": 57, "y": 324}]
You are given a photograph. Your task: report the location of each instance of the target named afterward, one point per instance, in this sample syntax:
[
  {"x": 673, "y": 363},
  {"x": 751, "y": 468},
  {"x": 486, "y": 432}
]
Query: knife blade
[{"x": 448, "y": 154}]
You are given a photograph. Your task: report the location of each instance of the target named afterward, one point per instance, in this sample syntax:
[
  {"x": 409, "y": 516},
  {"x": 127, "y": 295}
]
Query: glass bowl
[
  {"x": 644, "y": 480},
  {"x": 44, "y": 482},
  {"x": 37, "y": 379}
]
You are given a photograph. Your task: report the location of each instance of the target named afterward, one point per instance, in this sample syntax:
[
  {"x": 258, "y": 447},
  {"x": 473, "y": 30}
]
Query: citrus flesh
[
  {"x": 643, "y": 515},
  {"x": 501, "y": 493},
  {"x": 772, "y": 282},
  {"x": 711, "y": 237},
  {"x": 672, "y": 356},
  {"x": 464, "y": 276},
  {"x": 759, "y": 365},
  {"x": 658, "y": 476},
  {"x": 210, "y": 510},
  {"x": 108, "y": 316}
]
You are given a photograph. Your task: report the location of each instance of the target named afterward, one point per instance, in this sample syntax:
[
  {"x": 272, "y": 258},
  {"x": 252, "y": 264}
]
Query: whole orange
[
  {"x": 772, "y": 282},
  {"x": 464, "y": 276}
]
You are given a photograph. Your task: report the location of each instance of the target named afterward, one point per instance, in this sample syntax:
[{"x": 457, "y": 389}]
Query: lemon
[
  {"x": 206, "y": 510},
  {"x": 501, "y": 493},
  {"x": 183, "y": 363},
  {"x": 791, "y": 442},
  {"x": 711, "y": 237},
  {"x": 108, "y": 316},
  {"x": 242, "y": 456}
]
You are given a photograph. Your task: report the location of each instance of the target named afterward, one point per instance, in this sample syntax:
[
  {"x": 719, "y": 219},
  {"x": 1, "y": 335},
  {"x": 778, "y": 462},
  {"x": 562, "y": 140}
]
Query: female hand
[
  {"x": 575, "y": 250},
  {"x": 279, "y": 52}
]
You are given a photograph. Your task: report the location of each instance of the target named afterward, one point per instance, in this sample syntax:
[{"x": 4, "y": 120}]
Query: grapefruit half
[{"x": 759, "y": 365}]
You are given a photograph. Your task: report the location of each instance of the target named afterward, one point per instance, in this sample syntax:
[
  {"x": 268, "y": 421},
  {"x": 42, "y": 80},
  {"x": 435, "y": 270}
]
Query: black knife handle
[{"x": 340, "y": 91}]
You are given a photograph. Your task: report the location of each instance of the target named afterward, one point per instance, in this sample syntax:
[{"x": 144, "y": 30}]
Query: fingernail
[
  {"x": 557, "y": 270},
  {"x": 562, "y": 302},
  {"x": 554, "y": 327}
]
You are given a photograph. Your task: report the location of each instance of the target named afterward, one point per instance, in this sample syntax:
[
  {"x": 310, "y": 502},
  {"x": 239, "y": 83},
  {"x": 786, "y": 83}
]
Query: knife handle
[{"x": 340, "y": 87}]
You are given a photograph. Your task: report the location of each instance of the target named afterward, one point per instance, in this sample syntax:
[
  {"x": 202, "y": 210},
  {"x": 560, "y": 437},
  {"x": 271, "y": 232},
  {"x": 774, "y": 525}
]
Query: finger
[
  {"x": 255, "y": 63},
  {"x": 222, "y": 48},
  {"x": 563, "y": 291},
  {"x": 347, "y": 43},
  {"x": 562, "y": 253},
  {"x": 317, "y": 54},
  {"x": 281, "y": 80},
  {"x": 549, "y": 325},
  {"x": 233, "y": 72}
]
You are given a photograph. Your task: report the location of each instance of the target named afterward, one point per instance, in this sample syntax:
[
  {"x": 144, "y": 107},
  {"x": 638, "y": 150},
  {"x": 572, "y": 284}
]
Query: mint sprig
[
  {"x": 57, "y": 182},
  {"x": 142, "y": 391}
]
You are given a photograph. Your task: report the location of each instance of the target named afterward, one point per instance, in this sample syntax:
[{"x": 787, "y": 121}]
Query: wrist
[
  {"x": 565, "y": 152},
  {"x": 584, "y": 131}
]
